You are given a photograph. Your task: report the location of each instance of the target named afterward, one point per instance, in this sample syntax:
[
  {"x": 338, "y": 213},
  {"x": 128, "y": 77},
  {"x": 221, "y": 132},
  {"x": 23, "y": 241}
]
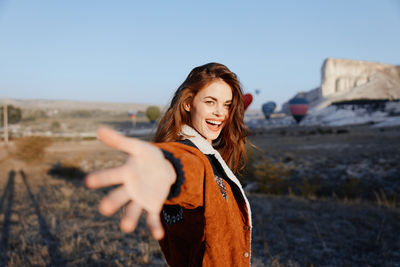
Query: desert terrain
[{"x": 337, "y": 205}]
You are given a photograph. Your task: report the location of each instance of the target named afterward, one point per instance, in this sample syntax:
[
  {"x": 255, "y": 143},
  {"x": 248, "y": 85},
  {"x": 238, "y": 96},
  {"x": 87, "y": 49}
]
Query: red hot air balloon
[
  {"x": 247, "y": 99},
  {"x": 298, "y": 107}
]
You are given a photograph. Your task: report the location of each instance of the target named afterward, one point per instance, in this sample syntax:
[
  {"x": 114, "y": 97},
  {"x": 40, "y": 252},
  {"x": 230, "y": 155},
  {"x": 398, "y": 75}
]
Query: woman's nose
[{"x": 218, "y": 111}]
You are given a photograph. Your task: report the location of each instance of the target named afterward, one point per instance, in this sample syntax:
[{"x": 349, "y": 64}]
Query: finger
[
  {"x": 154, "y": 223},
  {"x": 104, "y": 178},
  {"x": 116, "y": 140},
  {"x": 113, "y": 201},
  {"x": 131, "y": 217}
]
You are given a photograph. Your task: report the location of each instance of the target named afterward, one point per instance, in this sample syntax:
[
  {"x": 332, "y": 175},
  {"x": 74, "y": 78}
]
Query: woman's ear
[
  {"x": 187, "y": 101},
  {"x": 186, "y": 107}
]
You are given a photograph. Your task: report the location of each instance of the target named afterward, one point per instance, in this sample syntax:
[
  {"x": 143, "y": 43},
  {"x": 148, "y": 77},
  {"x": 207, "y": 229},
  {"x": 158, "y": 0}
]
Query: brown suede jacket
[{"x": 207, "y": 219}]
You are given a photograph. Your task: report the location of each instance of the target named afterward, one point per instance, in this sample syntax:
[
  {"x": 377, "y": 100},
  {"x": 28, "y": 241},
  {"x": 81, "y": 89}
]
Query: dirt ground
[{"x": 48, "y": 218}]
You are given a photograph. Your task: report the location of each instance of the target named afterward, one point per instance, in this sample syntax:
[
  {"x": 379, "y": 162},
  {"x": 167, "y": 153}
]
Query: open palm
[{"x": 145, "y": 180}]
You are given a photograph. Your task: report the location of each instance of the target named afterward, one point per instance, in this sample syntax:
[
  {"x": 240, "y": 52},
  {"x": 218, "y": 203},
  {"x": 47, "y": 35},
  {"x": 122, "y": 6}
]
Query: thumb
[{"x": 118, "y": 141}]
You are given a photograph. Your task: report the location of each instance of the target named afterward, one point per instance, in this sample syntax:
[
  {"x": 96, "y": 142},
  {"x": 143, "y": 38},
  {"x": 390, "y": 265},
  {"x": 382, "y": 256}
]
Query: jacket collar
[
  {"x": 204, "y": 146},
  {"x": 200, "y": 142}
]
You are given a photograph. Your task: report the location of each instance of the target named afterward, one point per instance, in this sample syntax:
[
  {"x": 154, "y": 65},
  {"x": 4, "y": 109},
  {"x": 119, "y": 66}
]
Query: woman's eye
[{"x": 210, "y": 102}]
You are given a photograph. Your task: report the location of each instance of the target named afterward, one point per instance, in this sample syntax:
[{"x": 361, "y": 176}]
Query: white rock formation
[
  {"x": 339, "y": 76},
  {"x": 349, "y": 80}
]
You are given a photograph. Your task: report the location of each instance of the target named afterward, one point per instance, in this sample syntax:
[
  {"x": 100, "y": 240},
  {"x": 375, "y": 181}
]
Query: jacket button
[
  {"x": 246, "y": 254},
  {"x": 246, "y": 228}
]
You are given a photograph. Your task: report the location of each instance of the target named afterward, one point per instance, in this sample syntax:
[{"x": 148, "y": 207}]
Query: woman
[{"x": 195, "y": 205}]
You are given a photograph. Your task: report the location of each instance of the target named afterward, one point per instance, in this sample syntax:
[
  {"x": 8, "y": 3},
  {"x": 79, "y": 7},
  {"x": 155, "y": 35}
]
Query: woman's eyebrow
[{"x": 215, "y": 99}]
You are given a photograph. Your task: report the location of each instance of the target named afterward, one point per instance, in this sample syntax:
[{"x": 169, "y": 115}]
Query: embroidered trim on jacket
[
  {"x": 172, "y": 214},
  {"x": 221, "y": 185},
  {"x": 180, "y": 175}
]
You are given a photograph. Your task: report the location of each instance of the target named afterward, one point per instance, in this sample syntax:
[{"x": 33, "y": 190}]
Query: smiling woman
[
  {"x": 195, "y": 205},
  {"x": 214, "y": 77},
  {"x": 210, "y": 109}
]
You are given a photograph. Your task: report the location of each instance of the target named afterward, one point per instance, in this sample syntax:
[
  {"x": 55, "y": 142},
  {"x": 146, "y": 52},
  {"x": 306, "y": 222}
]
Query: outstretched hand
[{"x": 145, "y": 181}]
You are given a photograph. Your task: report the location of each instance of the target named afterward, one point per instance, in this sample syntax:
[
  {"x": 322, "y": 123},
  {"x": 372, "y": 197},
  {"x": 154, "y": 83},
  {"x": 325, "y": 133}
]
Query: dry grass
[
  {"x": 385, "y": 201},
  {"x": 272, "y": 177},
  {"x": 276, "y": 177},
  {"x": 32, "y": 148},
  {"x": 54, "y": 222}
]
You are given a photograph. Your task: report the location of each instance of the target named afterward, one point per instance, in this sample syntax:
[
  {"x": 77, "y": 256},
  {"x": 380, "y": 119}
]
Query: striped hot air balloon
[
  {"x": 247, "y": 99},
  {"x": 298, "y": 107},
  {"x": 268, "y": 108}
]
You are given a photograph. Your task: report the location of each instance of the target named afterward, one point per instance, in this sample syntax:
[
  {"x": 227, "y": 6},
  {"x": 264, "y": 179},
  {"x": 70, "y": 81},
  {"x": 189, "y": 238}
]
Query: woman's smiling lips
[{"x": 214, "y": 125}]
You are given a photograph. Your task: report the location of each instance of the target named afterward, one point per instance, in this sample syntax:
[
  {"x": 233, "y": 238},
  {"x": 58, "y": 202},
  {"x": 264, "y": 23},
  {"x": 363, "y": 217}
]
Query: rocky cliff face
[
  {"x": 341, "y": 75},
  {"x": 348, "y": 80}
]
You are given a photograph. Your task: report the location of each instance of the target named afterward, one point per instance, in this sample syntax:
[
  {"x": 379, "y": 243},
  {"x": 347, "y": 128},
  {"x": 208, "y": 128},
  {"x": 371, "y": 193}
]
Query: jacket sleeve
[{"x": 191, "y": 166}]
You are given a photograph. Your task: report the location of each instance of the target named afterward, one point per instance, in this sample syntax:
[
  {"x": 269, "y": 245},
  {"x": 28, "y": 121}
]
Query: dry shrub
[
  {"x": 272, "y": 177},
  {"x": 32, "y": 148},
  {"x": 248, "y": 173},
  {"x": 309, "y": 188},
  {"x": 386, "y": 201},
  {"x": 350, "y": 188}
]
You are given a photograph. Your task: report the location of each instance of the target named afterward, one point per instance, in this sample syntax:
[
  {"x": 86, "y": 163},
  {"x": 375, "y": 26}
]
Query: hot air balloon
[
  {"x": 298, "y": 107},
  {"x": 257, "y": 91},
  {"x": 268, "y": 108},
  {"x": 132, "y": 115},
  {"x": 247, "y": 99}
]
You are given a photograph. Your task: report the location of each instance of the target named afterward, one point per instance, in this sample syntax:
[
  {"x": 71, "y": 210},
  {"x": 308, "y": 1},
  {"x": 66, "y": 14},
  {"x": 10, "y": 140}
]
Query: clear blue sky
[{"x": 141, "y": 51}]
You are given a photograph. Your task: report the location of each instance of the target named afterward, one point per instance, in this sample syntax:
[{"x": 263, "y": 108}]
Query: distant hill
[{"x": 67, "y": 105}]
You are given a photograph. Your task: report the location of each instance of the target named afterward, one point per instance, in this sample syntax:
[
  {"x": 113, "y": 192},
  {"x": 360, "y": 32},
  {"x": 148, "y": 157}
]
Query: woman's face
[{"x": 210, "y": 109}]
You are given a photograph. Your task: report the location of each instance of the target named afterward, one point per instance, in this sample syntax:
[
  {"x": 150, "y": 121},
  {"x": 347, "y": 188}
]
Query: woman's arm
[
  {"x": 192, "y": 168},
  {"x": 145, "y": 180}
]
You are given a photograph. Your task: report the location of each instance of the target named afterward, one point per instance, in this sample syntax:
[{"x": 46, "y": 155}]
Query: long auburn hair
[{"x": 230, "y": 143}]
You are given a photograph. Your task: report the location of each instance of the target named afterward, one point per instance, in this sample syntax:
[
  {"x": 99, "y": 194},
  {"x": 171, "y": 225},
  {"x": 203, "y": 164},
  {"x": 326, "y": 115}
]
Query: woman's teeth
[{"x": 214, "y": 122}]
